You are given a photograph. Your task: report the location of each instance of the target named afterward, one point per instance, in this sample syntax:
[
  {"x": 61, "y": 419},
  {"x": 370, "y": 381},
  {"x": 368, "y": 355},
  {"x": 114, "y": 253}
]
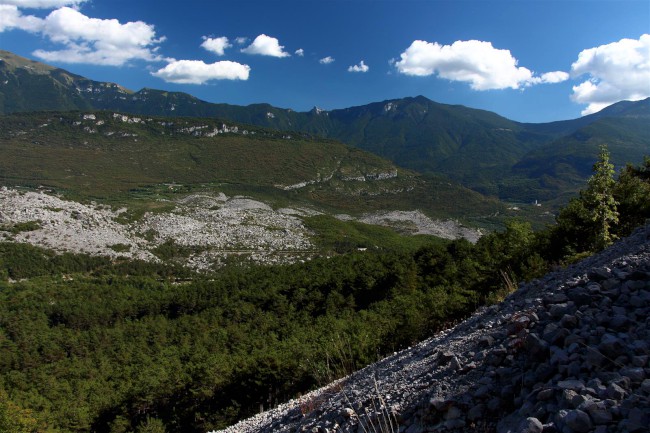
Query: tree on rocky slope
[
  {"x": 600, "y": 201},
  {"x": 632, "y": 192},
  {"x": 583, "y": 225}
]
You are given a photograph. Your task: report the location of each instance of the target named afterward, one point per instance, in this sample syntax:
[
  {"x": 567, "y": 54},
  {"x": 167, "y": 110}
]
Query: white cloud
[
  {"x": 617, "y": 71},
  {"x": 474, "y": 62},
  {"x": 554, "y": 77},
  {"x": 300, "y": 52},
  {"x": 241, "y": 40},
  {"x": 11, "y": 18},
  {"x": 198, "y": 72},
  {"x": 86, "y": 40},
  {"x": 41, "y": 4},
  {"x": 326, "y": 60},
  {"x": 266, "y": 46},
  {"x": 83, "y": 54},
  {"x": 361, "y": 67},
  {"x": 216, "y": 45}
]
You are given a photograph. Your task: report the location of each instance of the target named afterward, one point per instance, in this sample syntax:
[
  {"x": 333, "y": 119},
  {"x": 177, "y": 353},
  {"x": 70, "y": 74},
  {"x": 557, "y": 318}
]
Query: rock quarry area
[
  {"x": 566, "y": 353},
  {"x": 211, "y": 227}
]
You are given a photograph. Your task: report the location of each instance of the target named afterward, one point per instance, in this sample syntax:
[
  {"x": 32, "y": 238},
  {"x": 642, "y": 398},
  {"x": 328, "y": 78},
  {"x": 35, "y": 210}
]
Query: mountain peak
[
  {"x": 423, "y": 99},
  {"x": 12, "y": 61},
  {"x": 318, "y": 111}
]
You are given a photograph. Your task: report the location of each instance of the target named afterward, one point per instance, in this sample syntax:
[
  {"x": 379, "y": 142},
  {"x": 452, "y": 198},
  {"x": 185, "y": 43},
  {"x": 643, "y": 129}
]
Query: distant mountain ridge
[
  {"x": 108, "y": 156},
  {"x": 482, "y": 150}
]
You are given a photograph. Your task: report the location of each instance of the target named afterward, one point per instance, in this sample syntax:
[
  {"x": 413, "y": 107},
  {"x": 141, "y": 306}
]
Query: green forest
[{"x": 89, "y": 344}]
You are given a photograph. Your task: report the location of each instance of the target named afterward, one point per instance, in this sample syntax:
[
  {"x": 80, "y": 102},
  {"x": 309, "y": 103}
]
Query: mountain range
[{"x": 516, "y": 162}]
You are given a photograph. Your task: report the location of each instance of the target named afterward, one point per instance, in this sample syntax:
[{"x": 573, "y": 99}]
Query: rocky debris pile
[
  {"x": 68, "y": 226},
  {"x": 417, "y": 223},
  {"x": 217, "y": 227},
  {"x": 214, "y": 227},
  {"x": 568, "y": 353}
]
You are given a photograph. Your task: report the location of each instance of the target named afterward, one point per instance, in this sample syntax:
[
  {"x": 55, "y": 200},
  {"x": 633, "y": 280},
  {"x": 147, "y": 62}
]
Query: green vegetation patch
[
  {"x": 15, "y": 228},
  {"x": 120, "y": 248},
  {"x": 332, "y": 234}
]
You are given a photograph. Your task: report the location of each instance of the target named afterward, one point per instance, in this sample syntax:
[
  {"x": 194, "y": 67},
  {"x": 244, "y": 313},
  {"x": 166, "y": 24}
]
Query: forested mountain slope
[{"x": 480, "y": 149}]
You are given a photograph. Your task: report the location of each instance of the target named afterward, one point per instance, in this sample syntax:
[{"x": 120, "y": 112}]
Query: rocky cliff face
[{"x": 566, "y": 353}]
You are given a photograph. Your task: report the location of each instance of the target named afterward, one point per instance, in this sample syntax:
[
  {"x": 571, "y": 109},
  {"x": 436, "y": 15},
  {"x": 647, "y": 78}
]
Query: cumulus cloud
[
  {"x": 475, "y": 62},
  {"x": 86, "y": 40},
  {"x": 554, "y": 77},
  {"x": 266, "y": 46},
  {"x": 617, "y": 71},
  {"x": 41, "y": 4},
  {"x": 300, "y": 52},
  {"x": 241, "y": 40},
  {"x": 326, "y": 60},
  {"x": 12, "y": 18},
  {"x": 361, "y": 67},
  {"x": 216, "y": 45},
  {"x": 198, "y": 72}
]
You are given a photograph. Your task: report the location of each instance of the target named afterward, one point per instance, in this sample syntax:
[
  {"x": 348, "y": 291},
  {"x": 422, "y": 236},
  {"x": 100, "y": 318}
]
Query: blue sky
[{"x": 528, "y": 60}]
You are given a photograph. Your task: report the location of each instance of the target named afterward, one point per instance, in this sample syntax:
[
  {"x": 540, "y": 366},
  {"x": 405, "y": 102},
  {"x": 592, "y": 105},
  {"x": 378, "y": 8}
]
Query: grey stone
[
  {"x": 454, "y": 412},
  {"x": 549, "y": 332},
  {"x": 454, "y": 423},
  {"x": 535, "y": 345},
  {"x": 580, "y": 295},
  {"x": 455, "y": 364},
  {"x": 482, "y": 392},
  {"x": 599, "y": 274},
  {"x": 619, "y": 322},
  {"x": 640, "y": 360},
  {"x": 645, "y": 386},
  {"x": 615, "y": 392},
  {"x": 496, "y": 357},
  {"x": 560, "y": 417},
  {"x": 544, "y": 372},
  {"x": 638, "y": 420},
  {"x": 573, "y": 384},
  {"x": 611, "y": 346},
  {"x": 445, "y": 357},
  {"x": 476, "y": 412},
  {"x": 578, "y": 421},
  {"x": 530, "y": 425},
  {"x": 494, "y": 404},
  {"x": 568, "y": 396},
  {"x": 600, "y": 414},
  {"x": 635, "y": 374},
  {"x": 486, "y": 341},
  {"x": 635, "y": 285},
  {"x": 558, "y": 356},
  {"x": 555, "y": 298},
  {"x": 594, "y": 359},
  {"x": 558, "y": 310},
  {"x": 439, "y": 404},
  {"x": 545, "y": 394},
  {"x": 573, "y": 369},
  {"x": 569, "y": 321}
]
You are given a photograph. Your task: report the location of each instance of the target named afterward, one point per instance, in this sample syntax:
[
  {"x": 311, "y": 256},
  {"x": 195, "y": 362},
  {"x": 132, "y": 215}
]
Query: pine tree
[{"x": 599, "y": 200}]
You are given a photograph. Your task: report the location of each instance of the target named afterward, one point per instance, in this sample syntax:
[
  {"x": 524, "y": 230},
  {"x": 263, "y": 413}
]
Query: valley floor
[{"x": 203, "y": 229}]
